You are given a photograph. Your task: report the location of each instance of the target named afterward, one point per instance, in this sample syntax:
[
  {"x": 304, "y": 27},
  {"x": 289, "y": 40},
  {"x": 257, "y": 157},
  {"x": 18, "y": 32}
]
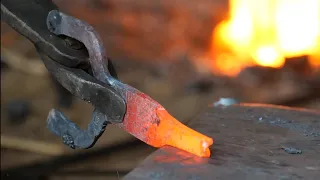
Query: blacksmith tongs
[
  {"x": 67, "y": 59},
  {"x": 58, "y": 38}
]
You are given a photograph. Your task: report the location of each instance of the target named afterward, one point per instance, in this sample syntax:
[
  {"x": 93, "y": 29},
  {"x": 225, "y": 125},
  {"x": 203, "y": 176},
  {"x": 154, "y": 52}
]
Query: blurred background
[{"x": 185, "y": 54}]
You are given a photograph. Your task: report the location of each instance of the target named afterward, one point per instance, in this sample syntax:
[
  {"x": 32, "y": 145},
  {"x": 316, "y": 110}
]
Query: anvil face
[{"x": 251, "y": 142}]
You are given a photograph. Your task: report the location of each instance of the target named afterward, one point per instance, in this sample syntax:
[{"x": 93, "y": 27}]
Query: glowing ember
[{"x": 265, "y": 32}]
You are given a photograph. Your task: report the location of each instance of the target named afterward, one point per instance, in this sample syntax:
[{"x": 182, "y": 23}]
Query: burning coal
[{"x": 265, "y": 33}]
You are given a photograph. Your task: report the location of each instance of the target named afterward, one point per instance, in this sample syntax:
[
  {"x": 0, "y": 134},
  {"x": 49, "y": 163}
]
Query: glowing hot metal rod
[{"x": 144, "y": 118}]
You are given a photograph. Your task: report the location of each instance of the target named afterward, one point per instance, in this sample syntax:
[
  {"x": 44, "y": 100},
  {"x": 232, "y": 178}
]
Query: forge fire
[{"x": 265, "y": 33}]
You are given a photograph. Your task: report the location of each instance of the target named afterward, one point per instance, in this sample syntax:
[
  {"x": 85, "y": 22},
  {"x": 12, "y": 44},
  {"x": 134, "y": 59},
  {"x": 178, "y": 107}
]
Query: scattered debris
[
  {"x": 291, "y": 150},
  {"x": 312, "y": 168},
  {"x": 312, "y": 129},
  {"x": 225, "y": 102}
]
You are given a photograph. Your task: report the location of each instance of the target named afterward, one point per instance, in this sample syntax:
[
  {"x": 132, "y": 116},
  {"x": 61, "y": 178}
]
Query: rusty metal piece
[{"x": 248, "y": 145}]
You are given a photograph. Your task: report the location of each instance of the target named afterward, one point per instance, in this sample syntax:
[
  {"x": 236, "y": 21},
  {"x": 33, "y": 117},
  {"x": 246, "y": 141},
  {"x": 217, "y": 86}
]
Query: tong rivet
[{"x": 74, "y": 44}]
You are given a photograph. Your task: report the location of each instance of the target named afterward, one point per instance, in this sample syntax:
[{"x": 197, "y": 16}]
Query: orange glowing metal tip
[
  {"x": 148, "y": 121},
  {"x": 176, "y": 134}
]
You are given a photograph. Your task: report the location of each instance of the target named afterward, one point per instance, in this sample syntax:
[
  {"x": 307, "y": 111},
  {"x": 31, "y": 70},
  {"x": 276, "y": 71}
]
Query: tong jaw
[{"x": 99, "y": 86}]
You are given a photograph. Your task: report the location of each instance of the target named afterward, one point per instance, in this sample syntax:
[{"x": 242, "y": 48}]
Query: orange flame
[{"x": 265, "y": 32}]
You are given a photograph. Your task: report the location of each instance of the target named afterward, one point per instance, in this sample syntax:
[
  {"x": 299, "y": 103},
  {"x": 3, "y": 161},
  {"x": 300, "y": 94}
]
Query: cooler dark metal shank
[
  {"x": 72, "y": 67},
  {"x": 67, "y": 63},
  {"x": 249, "y": 144},
  {"x": 28, "y": 17}
]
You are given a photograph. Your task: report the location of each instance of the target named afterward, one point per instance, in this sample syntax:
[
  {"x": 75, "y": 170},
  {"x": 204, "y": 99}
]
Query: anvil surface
[{"x": 250, "y": 143}]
